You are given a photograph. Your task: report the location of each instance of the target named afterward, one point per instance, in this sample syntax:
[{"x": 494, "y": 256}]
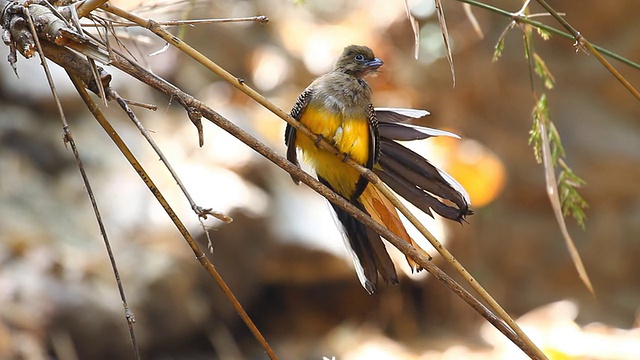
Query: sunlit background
[{"x": 283, "y": 255}]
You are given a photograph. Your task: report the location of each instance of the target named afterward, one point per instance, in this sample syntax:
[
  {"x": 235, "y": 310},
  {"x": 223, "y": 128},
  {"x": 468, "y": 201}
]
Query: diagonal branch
[
  {"x": 581, "y": 42},
  {"x": 199, "y": 210},
  {"x": 542, "y": 148},
  {"x": 242, "y": 86},
  {"x": 527, "y": 20},
  {"x": 200, "y": 255},
  {"x": 552, "y": 192},
  {"x": 188, "y": 101},
  {"x": 195, "y": 109},
  {"x": 68, "y": 139}
]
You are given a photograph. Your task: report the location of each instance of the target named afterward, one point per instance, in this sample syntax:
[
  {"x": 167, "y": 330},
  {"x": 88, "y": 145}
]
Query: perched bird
[{"x": 337, "y": 106}]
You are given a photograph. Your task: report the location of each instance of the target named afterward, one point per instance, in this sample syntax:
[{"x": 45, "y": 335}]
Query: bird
[{"x": 337, "y": 107}]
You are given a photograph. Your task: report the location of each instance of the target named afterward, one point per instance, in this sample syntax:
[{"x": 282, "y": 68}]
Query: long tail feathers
[
  {"x": 383, "y": 211},
  {"x": 368, "y": 248},
  {"x": 412, "y": 177}
]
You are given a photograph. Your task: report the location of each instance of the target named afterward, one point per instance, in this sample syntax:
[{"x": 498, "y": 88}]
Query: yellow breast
[{"x": 350, "y": 135}]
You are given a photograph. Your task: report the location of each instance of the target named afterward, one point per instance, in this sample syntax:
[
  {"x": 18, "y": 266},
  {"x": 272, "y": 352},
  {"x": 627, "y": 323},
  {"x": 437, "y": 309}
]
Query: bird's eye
[{"x": 359, "y": 57}]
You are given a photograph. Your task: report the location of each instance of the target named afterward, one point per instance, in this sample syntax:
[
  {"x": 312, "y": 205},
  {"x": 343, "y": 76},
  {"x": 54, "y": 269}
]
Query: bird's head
[{"x": 358, "y": 60}]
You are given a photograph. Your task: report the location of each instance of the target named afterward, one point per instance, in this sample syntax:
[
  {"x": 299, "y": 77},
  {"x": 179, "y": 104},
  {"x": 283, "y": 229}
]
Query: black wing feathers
[
  {"x": 290, "y": 131},
  {"x": 402, "y": 132},
  {"x": 415, "y": 179},
  {"x": 412, "y": 176}
]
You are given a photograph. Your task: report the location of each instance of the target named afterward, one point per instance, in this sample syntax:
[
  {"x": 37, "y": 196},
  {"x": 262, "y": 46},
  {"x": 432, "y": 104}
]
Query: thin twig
[
  {"x": 581, "y": 42},
  {"x": 415, "y": 27},
  {"x": 199, "y": 210},
  {"x": 189, "y": 102},
  {"x": 151, "y": 107},
  {"x": 259, "y": 19},
  {"x": 241, "y": 85},
  {"x": 200, "y": 255},
  {"x": 473, "y": 20},
  {"x": 420, "y": 258},
  {"x": 552, "y": 192},
  {"x": 68, "y": 139},
  {"x": 550, "y": 29},
  {"x": 88, "y": 6},
  {"x": 445, "y": 38},
  {"x": 129, "y": 315}
]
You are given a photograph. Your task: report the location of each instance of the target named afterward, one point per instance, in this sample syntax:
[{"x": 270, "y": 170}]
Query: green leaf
[
  {"x": 500, "y": 44},
  {"x": 569, "y": 201},
  {"x": 543, "y": 72},
  {"x": 540, "y": 114},
  {"x": 572, "y": 202},
  {"x": 497, "y": 52},
  {"x": 535, "y": 140}
]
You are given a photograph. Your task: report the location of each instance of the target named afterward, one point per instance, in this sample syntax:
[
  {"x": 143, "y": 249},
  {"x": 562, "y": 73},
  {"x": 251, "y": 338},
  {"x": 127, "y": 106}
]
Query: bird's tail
[
  {"x": 370, "y": 254},
  {"x": 383, "y": 211},
  {"x": 411, "y": 176}
]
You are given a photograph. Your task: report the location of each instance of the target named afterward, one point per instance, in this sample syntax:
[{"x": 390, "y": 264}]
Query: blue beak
[{"x": 375, "y": 63}]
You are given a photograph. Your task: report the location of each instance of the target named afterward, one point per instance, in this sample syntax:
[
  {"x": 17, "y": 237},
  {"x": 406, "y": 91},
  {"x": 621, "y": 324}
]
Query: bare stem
[
  {"x": 190, "y": 104},
  {"x": 200, "y": 255},
  {"x": 581, "y": 41},
  {"x": 527, "y": 20},
  {"x": 449, "y": 258},
  {"x": 242, "y": 86},
  {"x": 259, "y": 19},
  {"x": 68, "y": 139},
  {"x": 200, "y": 211},
  {"x": 88, "y": 6}
]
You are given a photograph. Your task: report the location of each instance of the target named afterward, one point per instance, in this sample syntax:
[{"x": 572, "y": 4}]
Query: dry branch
[{"x": 83, "y": 78}]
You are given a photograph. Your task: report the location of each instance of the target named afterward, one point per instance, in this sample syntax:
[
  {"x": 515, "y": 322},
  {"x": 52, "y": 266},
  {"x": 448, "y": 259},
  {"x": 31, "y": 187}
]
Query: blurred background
[{"x": 283, "y": 255}]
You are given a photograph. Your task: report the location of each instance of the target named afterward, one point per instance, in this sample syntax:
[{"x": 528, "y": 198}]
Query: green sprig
[
  {"x": 540, "y": 114},
  {"x": 572, "y": 202}
]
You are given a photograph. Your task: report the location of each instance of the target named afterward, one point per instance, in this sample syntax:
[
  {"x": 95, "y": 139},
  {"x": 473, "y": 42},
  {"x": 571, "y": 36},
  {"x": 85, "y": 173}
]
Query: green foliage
[
  {"x": 572, "y": 202},
  {"x": 568, "y": 182},
  {"x": 540, "y": 114},
  {"x": 498, "y": 49},
  {"x": 500, "y": 44},
  {"x": 557, "y": 150},
  {"x": 543, "y": 72}
]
